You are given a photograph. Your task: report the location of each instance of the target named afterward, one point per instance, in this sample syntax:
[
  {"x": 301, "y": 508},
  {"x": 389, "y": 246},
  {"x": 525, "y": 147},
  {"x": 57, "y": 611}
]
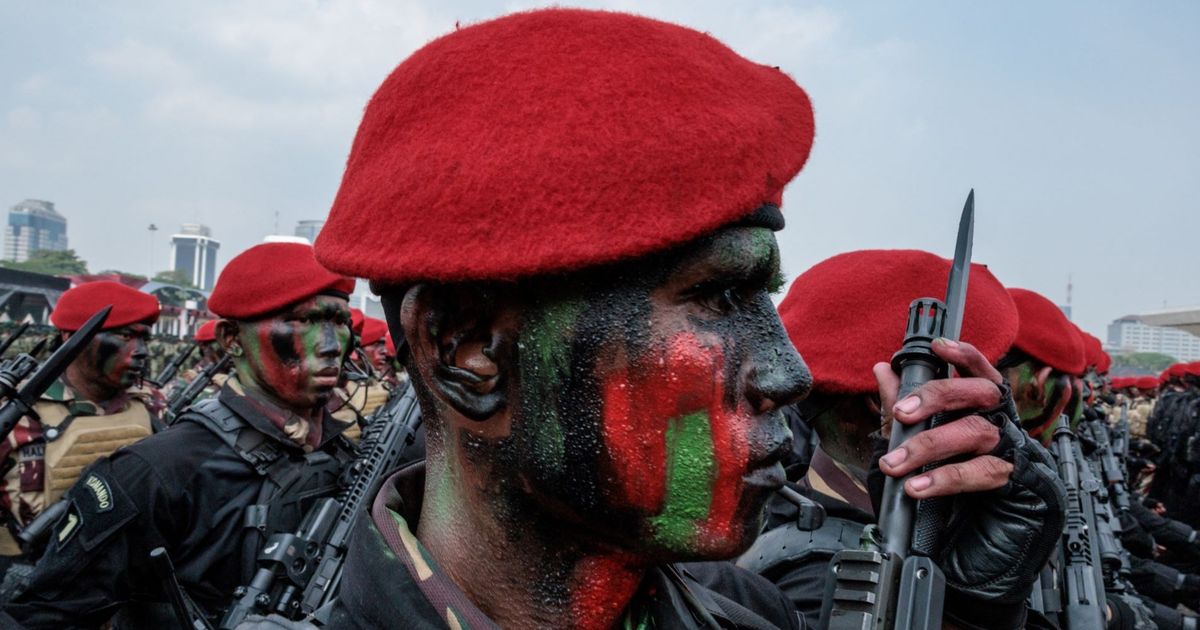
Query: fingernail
[
  {"x": 920, "y": 483},
  {"x": 908, "y": 405},
  {"x": 949, "y": 343},
  {"x": 896, "y": 457}
]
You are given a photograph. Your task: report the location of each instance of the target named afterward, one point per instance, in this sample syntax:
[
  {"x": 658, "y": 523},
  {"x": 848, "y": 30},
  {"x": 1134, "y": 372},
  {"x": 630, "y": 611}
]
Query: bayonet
[{"x": 13, "y": 337}]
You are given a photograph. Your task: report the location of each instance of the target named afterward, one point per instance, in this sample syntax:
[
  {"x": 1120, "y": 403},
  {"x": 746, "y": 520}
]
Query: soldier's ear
[
  {"x": 461, "y": 342},
  {"x": 227, "y": 335}
]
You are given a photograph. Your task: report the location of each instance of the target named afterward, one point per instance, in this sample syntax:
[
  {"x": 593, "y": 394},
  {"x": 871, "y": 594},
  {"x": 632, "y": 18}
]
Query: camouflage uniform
[{"x": 42, "y": 459}]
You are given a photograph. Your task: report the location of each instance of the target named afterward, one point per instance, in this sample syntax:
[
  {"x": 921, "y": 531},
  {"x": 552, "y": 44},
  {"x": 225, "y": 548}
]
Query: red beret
[
  {"x": 270, "y": 276},
  {"x": 847, "y": 313},
  {"x": 357, "y": 318},
  {"x": 557, "y": 139},
  {"x": 1191, "y": 369},
  {"x": 207, "y": 331},
  {"x": 391, "y": 345},
  {"x": 1046, "y": 334},
  {"x": 1092, "y": 348},
  {"x": 1169, "y": 373},
  {"x": 130, "y": 306},
  {"x": 373, "y": 330},
  {"x": 1146, "y": 382}
]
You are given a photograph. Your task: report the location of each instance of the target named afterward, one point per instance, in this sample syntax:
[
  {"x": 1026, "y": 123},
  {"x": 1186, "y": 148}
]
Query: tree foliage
[
  {"x": 1141, "y": 362},
  {"x": 50, "y": 262},
  {"x": 174, "y": 277}
]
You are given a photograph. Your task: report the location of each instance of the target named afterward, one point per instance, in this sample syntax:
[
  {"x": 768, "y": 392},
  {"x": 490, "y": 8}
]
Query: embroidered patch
[
  {"x": 100, "y": 491},
  {"x": 70, "y": 524}
]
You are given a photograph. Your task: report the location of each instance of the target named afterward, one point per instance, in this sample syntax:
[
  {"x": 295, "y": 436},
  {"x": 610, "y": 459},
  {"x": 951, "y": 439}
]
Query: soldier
[
  {"x": 845, "y": 315},
  {"x": 226, "y": 475},
  {"x": 97, "y": 405},
  {"x": 361, "y": 397},
  {"x": 571, "y": 224}
]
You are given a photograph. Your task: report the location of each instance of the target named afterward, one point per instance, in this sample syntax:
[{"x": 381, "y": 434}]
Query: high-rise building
[
  {"x": 33, "y": 224},
  {"x": 194, "y": 253},
  {"x": 1131, "y": 334},
  {"x": 309, "y": 229}
]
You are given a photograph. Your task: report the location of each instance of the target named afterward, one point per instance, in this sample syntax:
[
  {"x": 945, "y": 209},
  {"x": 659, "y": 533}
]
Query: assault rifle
[
  {"x": 173, "y": 366},
  {"x": 892, "y": 580},
  {"x": 299, "y": 573},
  {"x": 19, "y": 398},
  {"x": 1112, "y": 469},
  {"x": 1082, "y": 585},
  {"x": 181, "y": 399}
]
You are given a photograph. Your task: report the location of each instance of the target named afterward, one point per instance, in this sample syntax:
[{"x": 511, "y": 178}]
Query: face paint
[
  {"x": 118, "y": 357},
  {"x": 1039, "y": 415},
  {"x": 636, "y": 405},
  {"x": 378, "y": 356},
  {"x": 296, "y": 356}
]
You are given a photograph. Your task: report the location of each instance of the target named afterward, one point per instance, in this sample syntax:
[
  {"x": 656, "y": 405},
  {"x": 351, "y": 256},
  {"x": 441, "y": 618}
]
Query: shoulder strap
[
  {"x": 788, "y": 544},
  {"x": 249, "y": 443}
]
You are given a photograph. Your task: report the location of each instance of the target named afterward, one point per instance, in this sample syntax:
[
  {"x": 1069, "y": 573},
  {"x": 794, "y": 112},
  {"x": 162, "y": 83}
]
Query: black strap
[{"x": 249, "y": 443}]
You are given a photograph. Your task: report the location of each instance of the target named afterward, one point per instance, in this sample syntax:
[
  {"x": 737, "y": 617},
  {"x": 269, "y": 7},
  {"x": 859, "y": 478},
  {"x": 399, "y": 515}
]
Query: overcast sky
[{"x": 1078, "y": 124}]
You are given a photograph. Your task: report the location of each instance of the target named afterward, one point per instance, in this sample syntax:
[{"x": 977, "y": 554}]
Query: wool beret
[
  {"x": 130, "y": 306},
  {"x": 1146, "y": 382},
  {"x": 207, "y": 331},
  {"x": 1172, "y": 371},
  {"x": 357, "y": 318},
  {"x": 557, "y": 139},
  {"x": 1046, "y": 334},
  {"x": 1093, "y": 350},
  {"x": 270, "y": 276},
  {"x": 391, "y": 345},
  {"x": 848, "y": 313},
  {"x": 1118, "y": 382},
  {"x": 373, "y": 330},
  {"x": 1191, "y": 369}
]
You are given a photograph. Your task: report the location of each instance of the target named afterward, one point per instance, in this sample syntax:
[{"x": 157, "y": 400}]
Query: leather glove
[{"x": 998, "y": 541}]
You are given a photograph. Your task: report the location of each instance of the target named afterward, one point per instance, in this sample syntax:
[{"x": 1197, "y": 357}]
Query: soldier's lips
[
  {"x": 770, "y": 477},
  {"x": 327, "y": 377}
]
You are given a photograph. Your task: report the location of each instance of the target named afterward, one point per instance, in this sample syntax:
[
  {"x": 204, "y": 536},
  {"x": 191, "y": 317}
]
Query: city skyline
[{"x": 1074, "y": 123}]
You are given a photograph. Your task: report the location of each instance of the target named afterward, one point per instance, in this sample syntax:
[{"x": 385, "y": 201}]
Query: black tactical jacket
[{"x": 185, "y": 489}]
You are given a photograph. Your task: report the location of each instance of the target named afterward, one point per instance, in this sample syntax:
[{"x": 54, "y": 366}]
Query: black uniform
[{"x": 209, "y": 490}]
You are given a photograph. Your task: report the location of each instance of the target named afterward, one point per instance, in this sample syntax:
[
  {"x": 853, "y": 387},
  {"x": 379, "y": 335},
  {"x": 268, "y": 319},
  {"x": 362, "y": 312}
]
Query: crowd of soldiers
[{"x": 583, "y": 409}]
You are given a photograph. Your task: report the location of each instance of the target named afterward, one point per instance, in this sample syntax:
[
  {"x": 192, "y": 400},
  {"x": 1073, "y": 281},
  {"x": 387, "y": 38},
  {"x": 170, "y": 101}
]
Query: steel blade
[
  {"x": 56, "y": 363},
  {"x": 13, "y": 337},
  {"x": 960, "y": 271}
]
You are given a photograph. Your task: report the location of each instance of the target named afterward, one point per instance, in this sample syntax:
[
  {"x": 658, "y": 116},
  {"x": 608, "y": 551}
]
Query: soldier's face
[
  {"x": 118, "y": 356},
  {"x": 1041, "y": 394},
  {"x": 296, "y": 355},
  {"x": 647, "y": 411},
  {"x": 377, "y": 354},
  {"x": 210, "y": 352}
]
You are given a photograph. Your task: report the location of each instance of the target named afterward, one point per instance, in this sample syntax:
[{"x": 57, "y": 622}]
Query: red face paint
[
  {"x": 296, "y": 357},
  {"x": 601, "y": 587},
  {"x": 678, "y": 447}
]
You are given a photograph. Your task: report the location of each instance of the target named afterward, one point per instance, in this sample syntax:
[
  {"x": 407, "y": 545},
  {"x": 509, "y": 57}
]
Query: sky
[{"x": 1075, "y": 122}]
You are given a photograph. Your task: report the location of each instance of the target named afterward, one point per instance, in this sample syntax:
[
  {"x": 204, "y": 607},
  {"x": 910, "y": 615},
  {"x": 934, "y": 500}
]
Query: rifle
[
  {"x": 1112, "y": 470},
  {"x": 299, "y": 573},
  {"x": 182, "y": 399},
  {"x": 19, "y": 402},
  {"x": 173, "y": 366},
  {"x": 892, "y": 581},
  {"x": 1084, "y": 604},
  {"x": 186, "y": 612}
]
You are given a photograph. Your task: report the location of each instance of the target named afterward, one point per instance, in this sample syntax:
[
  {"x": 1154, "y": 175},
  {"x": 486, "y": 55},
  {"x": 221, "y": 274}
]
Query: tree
[
  {"x": 174, "y": 277},
  {"x": 50, "y": 262},
  {"x": 125, "y": 274},
  {"x": 1141, "y": 362}
]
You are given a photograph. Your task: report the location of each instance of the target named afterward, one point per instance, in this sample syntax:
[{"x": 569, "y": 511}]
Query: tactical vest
[
  {"x": 365, "y": 400},
  {"x": 74, "y": 442},
  {"x": 777, "y": 551},
  {"x": 292, "y": 483}
]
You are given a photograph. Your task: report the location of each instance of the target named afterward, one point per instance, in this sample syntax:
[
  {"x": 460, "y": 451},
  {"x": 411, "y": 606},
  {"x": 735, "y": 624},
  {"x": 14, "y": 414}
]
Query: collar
[
  {"x": 839, "y": 481},
  {"x": 270, "y": 419}
]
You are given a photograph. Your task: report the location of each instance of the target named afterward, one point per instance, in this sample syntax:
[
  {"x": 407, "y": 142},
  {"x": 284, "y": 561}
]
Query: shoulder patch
[
  {"x": 69, "y": 525},
  {"x": 100, "y": 491}
]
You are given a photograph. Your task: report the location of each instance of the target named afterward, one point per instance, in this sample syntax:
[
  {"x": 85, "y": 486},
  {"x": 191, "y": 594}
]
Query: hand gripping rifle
[
  {"x": 892, "y": 581},
  {"x": 299, "y": 573},
  {"x": 181, "y": 399},
  {"x": 19, "y": 400},
  {"x": 1082, "y": 584},
  {"x": 173, "y": 366}
]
